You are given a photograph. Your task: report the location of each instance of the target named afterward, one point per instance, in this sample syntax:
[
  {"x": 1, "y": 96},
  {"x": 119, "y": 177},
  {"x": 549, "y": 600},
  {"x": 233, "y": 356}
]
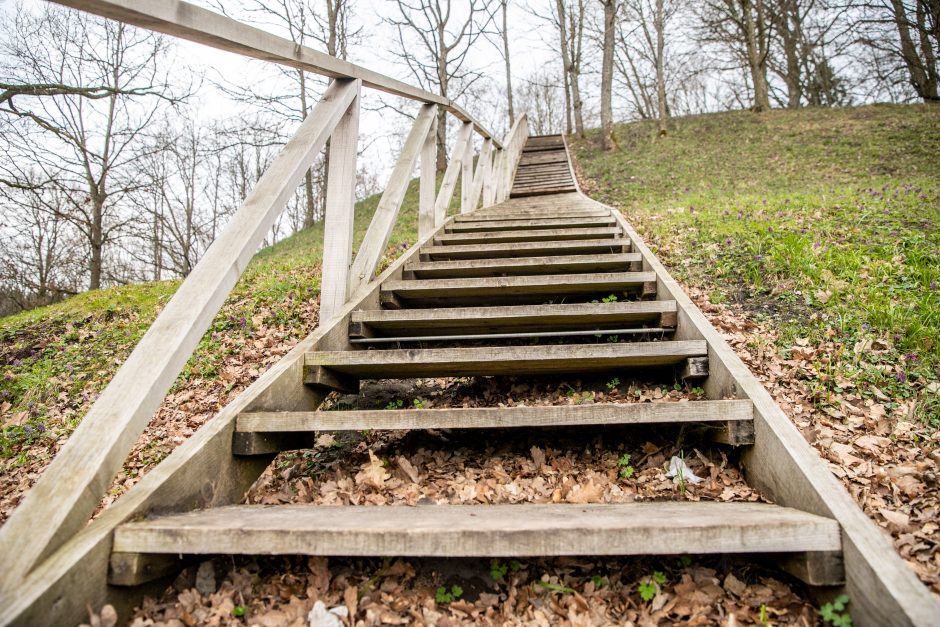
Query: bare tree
[
  {"x": 435, "y": 40},
  {"x": 742, "y": 27},
  {"x": 569, "y": 19},
  {"x": 905, "y": 36},
  {"x": 83, "y": 146},
  {"x": 611, "y": 8},
  {"x": 543, "y": 100},
  {"x": 504, "y": 32}
]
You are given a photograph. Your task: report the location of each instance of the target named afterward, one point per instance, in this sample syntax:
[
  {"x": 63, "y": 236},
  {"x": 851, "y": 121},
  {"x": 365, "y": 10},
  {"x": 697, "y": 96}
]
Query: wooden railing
[{"x": 66, "y": 495}]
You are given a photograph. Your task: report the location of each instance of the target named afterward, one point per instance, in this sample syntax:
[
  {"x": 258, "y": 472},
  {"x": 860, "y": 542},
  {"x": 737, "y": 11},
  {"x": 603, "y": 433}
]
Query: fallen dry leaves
[
  {"x": 576, "y": 592},
  {"x": 887, "y": 462}
]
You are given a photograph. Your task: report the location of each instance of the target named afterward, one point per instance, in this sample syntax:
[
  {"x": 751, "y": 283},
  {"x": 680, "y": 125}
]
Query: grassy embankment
[
  {"x": 54, "y": 360},
  {"x": 823, "y": 223}
]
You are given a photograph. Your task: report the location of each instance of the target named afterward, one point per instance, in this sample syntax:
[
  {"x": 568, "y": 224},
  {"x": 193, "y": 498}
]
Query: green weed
[{"x": 444, "y": 596}]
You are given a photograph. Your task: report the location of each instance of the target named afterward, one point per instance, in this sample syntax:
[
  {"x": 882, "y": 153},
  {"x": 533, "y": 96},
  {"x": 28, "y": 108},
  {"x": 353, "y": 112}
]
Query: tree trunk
[
  {"x": 756, "y": 55},
  {"x": 575, "y": 29},
  {"x": 565, "y": 63},
  {"x": 96, "y": 242},
  {"x": 659, "y": 24},
  {"x": 923, "y": 73},
  {"x": 607, "y": 75},
  {"x": 512, "y": 115}
]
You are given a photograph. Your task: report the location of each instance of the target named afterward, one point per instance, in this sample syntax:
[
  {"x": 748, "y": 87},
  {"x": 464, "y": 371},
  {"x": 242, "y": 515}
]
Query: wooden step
[
  {"x": 496, "y": 417},
  {"x": 530, "y": 530},
  {"x": 522, "y": 192},
  {"x": 509, "y": 319},
  {"x": 513, "y": 289},
  {"x": 527, "y": 249},
  {"x": 525, "y": 265},
  {"x": 496, "y": 360},
  {"x": 505, "y": 214},
  {"x": 533, "y": 235},
  {"x": 535, "y": 223}
]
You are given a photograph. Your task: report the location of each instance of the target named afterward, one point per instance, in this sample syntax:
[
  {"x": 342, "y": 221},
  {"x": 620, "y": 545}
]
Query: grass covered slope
[
  {"x": 828, "y": 220},
  {"x": 55, "y": 360}
]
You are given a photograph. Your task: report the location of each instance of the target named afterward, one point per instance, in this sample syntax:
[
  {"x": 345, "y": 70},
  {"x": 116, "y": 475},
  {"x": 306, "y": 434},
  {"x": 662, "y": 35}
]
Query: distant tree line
[{"x": 108, "y": 174}]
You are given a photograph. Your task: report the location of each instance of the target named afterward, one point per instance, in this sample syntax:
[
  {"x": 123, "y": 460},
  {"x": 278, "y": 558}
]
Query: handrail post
[
  {"x": 426, "y": 194},
  {"x": 466, "y": 178},
  {"x": 491, "y": 182},
  {"x": 454, "y": 166},
  {"x": 484, "y": 163},
  {"x": 340, "y": 211}
]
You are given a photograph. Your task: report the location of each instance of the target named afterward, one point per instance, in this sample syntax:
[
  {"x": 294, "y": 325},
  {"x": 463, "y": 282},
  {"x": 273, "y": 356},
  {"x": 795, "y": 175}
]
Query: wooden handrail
[
  {"x": 61, "y": 502},
  {"x": 209, "y": 28},
  {"x": 63, "y": 499}
]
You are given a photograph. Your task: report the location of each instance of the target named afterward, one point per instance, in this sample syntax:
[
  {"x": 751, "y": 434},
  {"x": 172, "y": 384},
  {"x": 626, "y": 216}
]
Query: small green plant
[
  {"x": 613, "y": 383},
  {"x": 238, "y": 611},
  {"x": 764, "y": 618},
  {"x": 554, "y": 587},
  {"x": 498, "y": 569},
  {"x": 680, "y": 475},
  {"x": 650, "y": 586},
  {"x": 599, "y": 582},
  {"x": 834, "y": 613},
  {"x": 626, "y": 470},
  {"x": 396, "y": 404},
  {"x": 610, "y": 299},
  {"x": 418, "y": 403},
  {"x": 444, "y": 596},
  {"x": 613, "y": 339}
]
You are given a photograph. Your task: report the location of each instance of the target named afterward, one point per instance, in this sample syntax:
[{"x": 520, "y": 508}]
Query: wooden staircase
[
  {"x": 541, "y": 267},
  {"x": 521, "y": 286}
]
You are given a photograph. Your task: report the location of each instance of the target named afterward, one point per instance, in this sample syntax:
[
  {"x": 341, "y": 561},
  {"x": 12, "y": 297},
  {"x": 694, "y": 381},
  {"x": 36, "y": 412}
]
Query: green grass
[
  {"x": 56, "y": 359},
  {"x": 825, "y": 222}
]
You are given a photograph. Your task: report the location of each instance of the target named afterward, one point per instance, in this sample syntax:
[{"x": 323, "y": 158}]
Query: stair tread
[
  {"x": 644, "y": 528},
  {"x": 495, "y": 417},
  {"x": 531, "y": 223},
  {"x": 418, "y": 286},
  {"x": 513, "y": 317},
  {"x": 528, "y": 235},
  {"x": 526, "y": 249},
  {"x": 524, "y": 265},
  {"x": 504, "y": 360}
]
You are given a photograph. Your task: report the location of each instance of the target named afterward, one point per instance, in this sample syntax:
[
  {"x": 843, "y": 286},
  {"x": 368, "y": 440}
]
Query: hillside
[
  {"x": 810, "y": 239},
  {"x": 56, "y": 359}
]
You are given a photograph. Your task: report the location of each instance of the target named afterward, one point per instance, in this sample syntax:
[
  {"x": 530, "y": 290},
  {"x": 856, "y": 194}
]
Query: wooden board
[
  {"x": 543, "y": 223},
  {"x": 532, "y": 235},
  {"x": 513, "y": 318},
  {"x": 495, "y": 417},
  {"x": 528, "y": 215},
  {"x": 661, "y": 528},
  {"x": 504, "y": 360},
  {"x": 524, "y": 265},
  {"x": 526, "y": 249},
  {"x": 511, "y": 288}
]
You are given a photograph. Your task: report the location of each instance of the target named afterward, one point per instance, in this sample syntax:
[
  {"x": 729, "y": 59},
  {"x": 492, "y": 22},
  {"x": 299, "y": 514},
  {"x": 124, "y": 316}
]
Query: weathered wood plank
[
  {"x": 383, "y": 221},
  {"x": 531, "y": 235},
  {"x": 495, "y": 417},
  {"x": 454, "y": 167},
  {"x": 526, "y": 249},
  {"x": 512, "y": 288},
  {"x": 503, "y": 360},
  {"x": 480, "y": 174},
  {"x": 523, "y": 265},
  {"x": 427, "y": 220},
  {"x": 662, "y": 528},
  {"x": 340, "y": 213},
  {"x": 531, "y": 223},
  {"x": 60, "y": 503},
  {"x": 512, "y": 318},
  {"x": 510, "y": 215}
]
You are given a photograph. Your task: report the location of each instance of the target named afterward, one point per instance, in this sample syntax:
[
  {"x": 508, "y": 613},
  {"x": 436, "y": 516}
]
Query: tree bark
[
  {"x": 659, "y": 24},
  {"x": 607, "y": 74},
  {"x": 512, "y": 114},
  {"x": 755, "y": 43}
]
